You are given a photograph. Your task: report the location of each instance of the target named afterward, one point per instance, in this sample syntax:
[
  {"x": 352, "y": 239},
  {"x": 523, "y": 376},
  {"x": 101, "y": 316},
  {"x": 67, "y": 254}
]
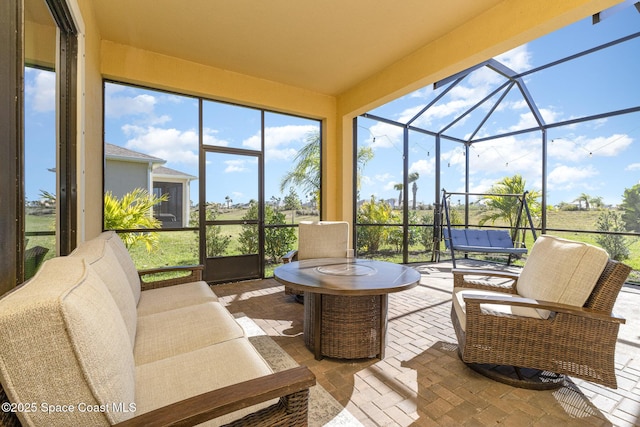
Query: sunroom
[{"x": 280, "y": 112}]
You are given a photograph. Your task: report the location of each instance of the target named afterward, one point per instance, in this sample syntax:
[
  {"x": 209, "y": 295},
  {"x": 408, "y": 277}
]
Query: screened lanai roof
[
  {"x": 508, "y": 103},
  {"x": 582, "y": 91}
]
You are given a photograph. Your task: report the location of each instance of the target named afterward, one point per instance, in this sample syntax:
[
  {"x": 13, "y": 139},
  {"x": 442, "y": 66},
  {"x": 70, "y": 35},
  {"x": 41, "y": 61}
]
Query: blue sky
[{"x": 600, "y": 158}]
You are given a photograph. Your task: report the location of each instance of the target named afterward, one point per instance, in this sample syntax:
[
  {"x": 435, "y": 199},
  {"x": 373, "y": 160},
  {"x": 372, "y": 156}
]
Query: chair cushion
[
  {"x": 561, "y": 270},
  {"x": 478, "y": 238},
  {"x": 172, "y": 332},
  {"x": 104, "y": 262},
  {"x": 499, "y": 239},
  {"x": 323, "y": 239},
  {"x": 125, "y": 260},
  {"x": 494, "y": 309},
  {"x": 176, "y": 378},
  {"x": 172, "y": 297},
  {"x": 458, "y": 237},
  {"x": 65, "y": 343}
]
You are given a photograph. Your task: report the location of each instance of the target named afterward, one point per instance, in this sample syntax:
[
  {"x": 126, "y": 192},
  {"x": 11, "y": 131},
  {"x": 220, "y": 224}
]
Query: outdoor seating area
[
  {"x": 86, "y": 343},
  {"x": 423, "y": 381},
  {"x": 320, "y": 213}
]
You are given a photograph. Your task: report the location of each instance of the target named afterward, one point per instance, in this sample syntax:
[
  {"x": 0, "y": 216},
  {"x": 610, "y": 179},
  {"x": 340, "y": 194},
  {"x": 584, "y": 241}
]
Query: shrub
[
  {"x": 133, "y": 210},
  {"x": 615, "y": 244}
]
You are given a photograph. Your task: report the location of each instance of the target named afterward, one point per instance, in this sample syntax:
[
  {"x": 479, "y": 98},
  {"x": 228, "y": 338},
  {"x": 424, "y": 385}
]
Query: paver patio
[{"x": 421, "y": 381}]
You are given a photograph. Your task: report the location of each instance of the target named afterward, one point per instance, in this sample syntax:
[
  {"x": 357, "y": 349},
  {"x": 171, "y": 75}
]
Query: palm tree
[
  {"x": 412, "y": 178},
  {"x": 229, "y": 201},
  {"x": 584, "y": 197},
  {"x": 306, "y": 170},
  {"x": 597, "y": 201},
  {"x": 399, "y": 187},
  {"x": 506, "y": 208}
]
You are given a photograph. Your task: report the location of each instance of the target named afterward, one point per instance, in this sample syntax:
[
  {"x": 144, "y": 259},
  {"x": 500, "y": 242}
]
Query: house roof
[
  {"x": 327, "y": 46},
  {"x": 165, "y": 172},
  {"x": 117, "y": 152},
  {"x": 120, "y": 153}
]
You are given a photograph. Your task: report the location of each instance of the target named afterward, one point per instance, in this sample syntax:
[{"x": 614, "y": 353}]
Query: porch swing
[{"x": 469, "y": 240}]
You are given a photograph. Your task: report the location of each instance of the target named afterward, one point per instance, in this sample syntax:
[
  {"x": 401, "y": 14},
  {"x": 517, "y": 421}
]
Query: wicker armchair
[
  {"x": 506, "y": 323},
  {"x": 319, "y": 239}
]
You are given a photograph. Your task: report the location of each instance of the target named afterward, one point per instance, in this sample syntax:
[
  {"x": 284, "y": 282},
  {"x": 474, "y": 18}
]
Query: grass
[{"x": 181, "y": 247}]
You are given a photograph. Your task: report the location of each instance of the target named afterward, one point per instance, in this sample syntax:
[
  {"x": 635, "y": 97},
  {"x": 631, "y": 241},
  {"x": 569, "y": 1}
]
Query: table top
[{"x": 346, "y": 276}]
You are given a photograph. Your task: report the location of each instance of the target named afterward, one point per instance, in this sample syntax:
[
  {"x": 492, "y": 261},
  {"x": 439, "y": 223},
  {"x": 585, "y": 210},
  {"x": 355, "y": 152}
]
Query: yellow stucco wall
[{"x": 90, "y": 157}]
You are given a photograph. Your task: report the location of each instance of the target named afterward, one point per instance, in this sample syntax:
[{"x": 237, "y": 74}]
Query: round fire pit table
[{"x": 345, "y": 303}]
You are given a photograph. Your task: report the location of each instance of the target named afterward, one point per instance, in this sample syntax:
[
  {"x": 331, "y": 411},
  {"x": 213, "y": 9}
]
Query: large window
[
  {"x": 40, "y": 168},
  {"x": 49, "y": 133},
  {"x": 156, "y": 146}
]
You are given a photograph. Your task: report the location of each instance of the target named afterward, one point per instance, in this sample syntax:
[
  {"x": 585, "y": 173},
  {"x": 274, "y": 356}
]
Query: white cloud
[
  {"x": 42, "y": 92},
  {"x": 507, "y": 155},
  {"x": 385, "y": 177},
  {"x": 390, "y": 186},
  {"x": 425, "y": 167},
  {"x": 383, "y": 135},
  {"x": 278, "y": 140},
  {"x": 170, "y": 144},
  {"x": 518, "y": 59},
  {"x": 633, "y": 167},
  {"x": 608, "y": 146},
  {"x": 472, "y": 90},
  {"x": 581, "y": 147},
  {"x": 118, "y": 106},
  {"x": 235, "y": 166},
  {"x": 209, "y": 138},
  {"x": 564, "y": 177}
]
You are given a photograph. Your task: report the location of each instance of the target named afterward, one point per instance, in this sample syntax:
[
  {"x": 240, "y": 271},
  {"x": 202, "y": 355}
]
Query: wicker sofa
[{"x": 85, "y": 343}]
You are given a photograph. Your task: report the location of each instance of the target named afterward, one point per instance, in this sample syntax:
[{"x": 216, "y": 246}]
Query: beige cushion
[
  {"x": 172, "y": 297},
  {"x": 65, "y": 343},
  {"x": 323, "y": 239},
  {"x": 129, "y": 268},
  {"x": 189, "y": 374},
  {"x": 493, "y": 309},
  {"x": 560, "y": 270},
  {"x": 172, "y": 332},
  {"x": 103, "y": 261}
]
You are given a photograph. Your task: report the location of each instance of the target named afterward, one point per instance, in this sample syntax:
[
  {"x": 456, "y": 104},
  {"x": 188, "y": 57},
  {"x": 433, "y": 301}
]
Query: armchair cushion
[
  {"x": 493, "y": 309},
  {"x": 560, "y": 270},
  {"x": 323, "y": 239}
]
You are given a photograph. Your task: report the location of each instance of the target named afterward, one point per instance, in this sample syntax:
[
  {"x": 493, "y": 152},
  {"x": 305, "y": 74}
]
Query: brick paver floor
[{"x": 421, "y": 380}]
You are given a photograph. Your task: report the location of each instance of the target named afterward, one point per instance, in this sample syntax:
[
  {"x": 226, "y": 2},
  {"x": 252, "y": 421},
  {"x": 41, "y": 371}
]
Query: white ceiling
[{"x": 326, "y": 46}]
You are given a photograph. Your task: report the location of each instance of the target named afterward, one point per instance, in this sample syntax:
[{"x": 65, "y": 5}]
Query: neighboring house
[
  {"x": 126, "y": 170},
  {"x": 175, "y": 211}
]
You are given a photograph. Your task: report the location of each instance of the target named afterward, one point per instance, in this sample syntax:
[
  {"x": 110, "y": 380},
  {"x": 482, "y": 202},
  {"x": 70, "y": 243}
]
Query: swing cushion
[{"x": 488, "y": 241}]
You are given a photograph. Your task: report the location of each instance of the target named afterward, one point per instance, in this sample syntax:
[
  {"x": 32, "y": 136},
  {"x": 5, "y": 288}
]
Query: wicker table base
[
  {"x": 345, "y": 327},
  {"x": 345, "y": 302}
]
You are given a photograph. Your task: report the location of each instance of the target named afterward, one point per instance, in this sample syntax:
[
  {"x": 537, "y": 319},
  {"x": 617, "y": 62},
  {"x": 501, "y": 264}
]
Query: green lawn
[{"x": 181, "y": 247}]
